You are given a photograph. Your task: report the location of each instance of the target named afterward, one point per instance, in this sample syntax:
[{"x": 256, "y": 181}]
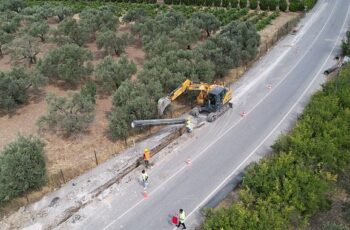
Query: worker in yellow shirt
[
  {"x": 144, "y": 179},
  {"x": 182, "y": 217},
  {"x": 189, "y": 125},
  {"x": 146, "y": 157}
]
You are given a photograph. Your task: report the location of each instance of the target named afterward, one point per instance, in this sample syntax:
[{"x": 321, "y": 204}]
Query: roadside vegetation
[{"x": 300, "y": 178}]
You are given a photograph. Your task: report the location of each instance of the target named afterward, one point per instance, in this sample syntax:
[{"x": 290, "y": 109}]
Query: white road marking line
[{"x": 185, "y": 166}]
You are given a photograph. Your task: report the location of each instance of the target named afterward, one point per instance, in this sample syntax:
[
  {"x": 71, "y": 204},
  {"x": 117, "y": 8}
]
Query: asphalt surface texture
[{"x": 208, "y": 163}]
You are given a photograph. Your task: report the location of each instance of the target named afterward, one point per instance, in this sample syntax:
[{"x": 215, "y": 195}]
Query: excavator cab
[{"x": 215, "y": 99}]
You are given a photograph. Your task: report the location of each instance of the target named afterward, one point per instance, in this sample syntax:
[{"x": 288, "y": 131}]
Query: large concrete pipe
[{"x": 174, "y": 121}]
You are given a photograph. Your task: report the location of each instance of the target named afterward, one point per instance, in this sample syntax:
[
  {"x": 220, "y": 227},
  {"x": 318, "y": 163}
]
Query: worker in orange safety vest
[{"x": 146, "y": 157}]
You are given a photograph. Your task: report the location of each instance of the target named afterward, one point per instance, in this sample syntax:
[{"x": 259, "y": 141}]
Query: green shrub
[
  {"x": 346, "y": 45},
  {"x": 253, "y": 4},
  {"x": 309, "y": 4},
  {"x": 296, "y": 5},
  {"x": 234, "y": 3},
  {"x": 243, "y": 3},
  {"x": 283, "y": 5},
  {"x": 22, "y": 167}
]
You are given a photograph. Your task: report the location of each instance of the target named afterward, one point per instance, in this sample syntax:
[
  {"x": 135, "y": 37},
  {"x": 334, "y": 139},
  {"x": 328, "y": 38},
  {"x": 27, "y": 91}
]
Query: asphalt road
[{"x": 219, "y": 151}]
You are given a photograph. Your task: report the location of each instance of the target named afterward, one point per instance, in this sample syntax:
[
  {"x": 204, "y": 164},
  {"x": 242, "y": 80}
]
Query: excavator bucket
[{"x": 162, "y": 104}]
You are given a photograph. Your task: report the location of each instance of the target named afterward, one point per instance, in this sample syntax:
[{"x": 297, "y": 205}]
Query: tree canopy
[
  {"x": 69, "y": 115},
  {"x": 14, "y": 86},
  {"x": 110, "y": 74},
  {"x": 207, "y": 22},
  {"x": 111, "y": 42},
  {"x": 70, "y": 31},
  {"x": 22, "y": 167},
  {"x": 69, "y": 63}
]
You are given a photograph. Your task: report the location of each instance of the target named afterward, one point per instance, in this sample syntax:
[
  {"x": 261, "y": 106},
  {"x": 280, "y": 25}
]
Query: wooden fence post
[
  {"x": 96, "y": 157},
  {"x": 64, "y": 180}
]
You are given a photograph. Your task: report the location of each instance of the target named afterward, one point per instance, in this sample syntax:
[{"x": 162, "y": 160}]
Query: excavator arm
[{"x": 186, "y": 85}]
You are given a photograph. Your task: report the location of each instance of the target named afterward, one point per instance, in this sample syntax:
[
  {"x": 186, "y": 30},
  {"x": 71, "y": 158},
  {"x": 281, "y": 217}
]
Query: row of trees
[
  {"x": 286, "y": 189},
  {"x": 294, "y": 5}
]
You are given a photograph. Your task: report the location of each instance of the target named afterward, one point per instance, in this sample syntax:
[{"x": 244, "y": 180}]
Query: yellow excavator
[{"x": 213, "y": 99}]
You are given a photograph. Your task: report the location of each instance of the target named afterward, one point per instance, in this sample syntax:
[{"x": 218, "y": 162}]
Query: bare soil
[
  {"x": 76, "y": 155},
  {"x": 334, "y": 214}
]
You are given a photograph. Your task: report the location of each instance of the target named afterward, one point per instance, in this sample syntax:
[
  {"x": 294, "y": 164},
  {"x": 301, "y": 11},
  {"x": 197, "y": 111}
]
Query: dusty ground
[
  {"x": 74, "y": 156},
  {"x": 334, "y": 215}
]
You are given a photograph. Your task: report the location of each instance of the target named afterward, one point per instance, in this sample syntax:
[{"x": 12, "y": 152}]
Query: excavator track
[{"x": 214, "y": 115}]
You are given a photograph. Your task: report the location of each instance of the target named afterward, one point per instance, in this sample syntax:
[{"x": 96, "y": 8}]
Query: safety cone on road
[
  {"x": 243, "y": 114},
  {"x": 145, "y": 194},
  {"x": 189, "y": 161}
]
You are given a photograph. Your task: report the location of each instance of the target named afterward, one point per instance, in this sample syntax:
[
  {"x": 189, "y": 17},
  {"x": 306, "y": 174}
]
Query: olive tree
[
  {"x": 132, "y": 100},
  {"x": 12, "y": 5},
  {"x": 112, "y": 43},
  {"x": 135, "y": 15},
  {"x": 118, "y": 124},
  {"x": 185, "y": 36},
  {"x": 70, "y": 31},
  {"x": 25, "y": 47},
  {"x": 5, "y": 38},
  {"x": 39, "y": 29},
  {"x": 10, "y": 21},
  {"x": 205, "y": 21},
  {"x": 99, "y": 19},
  {"x": 246, "y": 36},
  {"x": 110, "y": 74},
  {"x": 175, "y": 66},
  {"x": 69, "y": 63},
  {"x": 69, "y": 115},
  {"x": 62, "y": 12},
  {"x": 40, "y": 12},
  {"x": 22, "y": 167},
  {"x": 14, "y": 86}
]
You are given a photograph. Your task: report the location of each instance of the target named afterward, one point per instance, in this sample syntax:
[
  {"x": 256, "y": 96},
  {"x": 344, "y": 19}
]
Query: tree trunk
[
  {"x": 116, "y": 52},
  {"x": 208, "y": 33}
]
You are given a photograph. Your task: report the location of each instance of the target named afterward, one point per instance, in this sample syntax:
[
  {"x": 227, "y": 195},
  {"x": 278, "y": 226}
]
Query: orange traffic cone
[
  {"x": 145, "y": 194},
  {"x": 189, "y": 161},
  {"x": 243, "y": 114}
]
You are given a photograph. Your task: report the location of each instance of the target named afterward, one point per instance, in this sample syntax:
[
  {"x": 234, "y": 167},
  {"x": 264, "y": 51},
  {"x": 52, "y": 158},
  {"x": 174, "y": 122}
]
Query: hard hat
[{"x": 146, "y": 149}]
